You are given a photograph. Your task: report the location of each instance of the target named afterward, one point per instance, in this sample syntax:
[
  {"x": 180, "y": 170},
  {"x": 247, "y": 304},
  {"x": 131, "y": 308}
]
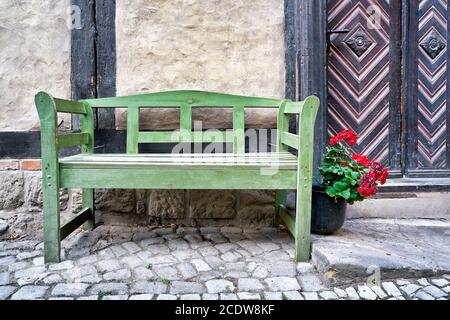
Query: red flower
[
  {"x": 352, "y": 138},
  {"x": 346, "y": 135},
  {"x": 384, "y": 176},
  {"x": 359, "y": 159},
  {"x": 368, "y": 185}
]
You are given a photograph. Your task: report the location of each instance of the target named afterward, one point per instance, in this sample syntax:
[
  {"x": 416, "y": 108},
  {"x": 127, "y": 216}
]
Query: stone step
[
  {"x": 403, "y": 205},
  {"x": 368, "y": 250}
]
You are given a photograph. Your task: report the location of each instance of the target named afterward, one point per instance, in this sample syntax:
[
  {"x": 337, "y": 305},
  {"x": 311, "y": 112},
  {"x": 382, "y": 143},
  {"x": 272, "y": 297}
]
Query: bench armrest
[{"x": 48, "y": 108}]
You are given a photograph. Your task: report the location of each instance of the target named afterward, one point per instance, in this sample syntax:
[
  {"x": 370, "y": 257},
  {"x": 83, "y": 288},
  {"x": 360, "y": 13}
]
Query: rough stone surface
[
  {"x": 212, "y": 204},
  {"x": 166, "y": 204},
  {"x": 30, "y": 63},
  {"x": 311, "y": 282},
  {"x": 400, "y": 248},
  {"x": 311, "y": 295},
  {"x": 115, "y": 200},
  {"x": 109, "y": 287},
  {"x": 148, "y": 287},
  {"x": 422, "y": 295},
  {"x": 292, "y": 295},
  {"x": 178, "y": 287},
  {"x": 141, "y": 297},
  {"x": 440, "y": 282},
  {"x": 11, "y": 188},
  {"x": 6, "y": 291},
  {"x": 30, "y": 293},
  {"x": 391, "y": 289},
  {"x": 69, "y": 289},
  {"x": 219, "y": 286},
  {"x": 248, "y": 296},
  {"x": 434, "y": 291},
  {"x": 366, "y": 293},
  {"x": 250, "y": 285},
  {"x": 410, "y": 288},
  {"x": 282, "y": 284},
  {"x": 107, "y": 270},
  {"x": 166, "y": 297},
  {"x": 3, "y": 228}
]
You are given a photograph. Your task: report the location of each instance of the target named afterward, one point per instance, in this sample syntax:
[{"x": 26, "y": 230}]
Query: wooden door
[
  {"x": 364, "y": 79},
  {"x": 427, "y": 79}
]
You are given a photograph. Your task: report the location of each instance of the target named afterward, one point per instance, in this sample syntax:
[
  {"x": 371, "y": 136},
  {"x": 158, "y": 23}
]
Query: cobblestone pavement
[{"x": 187, "y": 263}]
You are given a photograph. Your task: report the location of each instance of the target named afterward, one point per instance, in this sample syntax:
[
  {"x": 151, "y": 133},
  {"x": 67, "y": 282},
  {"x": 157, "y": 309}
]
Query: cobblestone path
[{"x": 186, "y": 263}]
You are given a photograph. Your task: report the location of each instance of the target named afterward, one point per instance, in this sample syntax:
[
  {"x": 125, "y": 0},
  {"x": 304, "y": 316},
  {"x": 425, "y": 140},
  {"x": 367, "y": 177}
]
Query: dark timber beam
[
  {"x": 93, "y": 57},
  {"x": 306, "y": 60},
  {"x": 312, "y": 65},
  {"x": 105, "y": 13},
  {"x": 83, "y": 55}
]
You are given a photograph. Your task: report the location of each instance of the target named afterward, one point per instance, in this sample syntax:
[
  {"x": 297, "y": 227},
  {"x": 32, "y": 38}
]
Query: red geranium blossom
[
  {"x": 346, "y": 135},
  {"x": 353, "y": 177},
  {"x": 363, "y": 160}
]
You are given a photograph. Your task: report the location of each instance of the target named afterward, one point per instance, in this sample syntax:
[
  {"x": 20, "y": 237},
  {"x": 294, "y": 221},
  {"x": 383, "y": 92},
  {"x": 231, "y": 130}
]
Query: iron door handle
[{"x": 330, "y": 32}]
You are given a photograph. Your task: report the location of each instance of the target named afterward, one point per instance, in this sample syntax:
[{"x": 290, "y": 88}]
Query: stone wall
[
  {"x": 21, "y": 204},
  {"x": 232, "y": 46},
  {"x": 34, "y": 56}
]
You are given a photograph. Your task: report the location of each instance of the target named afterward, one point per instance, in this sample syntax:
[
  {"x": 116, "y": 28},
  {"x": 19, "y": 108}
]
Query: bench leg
[
  {"x": 52, "y": 238},
  {"x": 303, "y": 225},
  {"x": 88, "y": 202},
  {"x": 280, "y": 199}
]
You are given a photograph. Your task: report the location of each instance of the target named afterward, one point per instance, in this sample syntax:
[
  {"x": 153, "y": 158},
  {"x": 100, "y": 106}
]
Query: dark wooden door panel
[
  {"x": 364, "y": 75},
  {"x": 428, "y": 92}
]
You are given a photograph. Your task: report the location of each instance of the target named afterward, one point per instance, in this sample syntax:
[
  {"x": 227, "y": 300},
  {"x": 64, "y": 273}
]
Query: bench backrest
[{"x": 185, "y": 101}]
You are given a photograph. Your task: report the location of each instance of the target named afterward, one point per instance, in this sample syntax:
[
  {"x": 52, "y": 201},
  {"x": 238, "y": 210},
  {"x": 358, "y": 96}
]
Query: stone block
[
  {"x": 166, "y": 204},
  {"x": 212, "y": 204},
  {"x": 115, "y": 200},
  {"x": 11, "y": 189}
]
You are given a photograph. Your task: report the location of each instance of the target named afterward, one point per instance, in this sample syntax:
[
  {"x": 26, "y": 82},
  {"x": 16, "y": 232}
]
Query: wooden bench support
[
  {"x": 73, "y": 224},
  {"x": 279, "y": 171}
]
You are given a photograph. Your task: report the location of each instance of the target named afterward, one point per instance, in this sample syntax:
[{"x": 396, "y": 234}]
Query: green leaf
[
  {"x": 340, "y": 186},
  {"x": 330, "y": 191},
  {"x": 345, "y": 194}
]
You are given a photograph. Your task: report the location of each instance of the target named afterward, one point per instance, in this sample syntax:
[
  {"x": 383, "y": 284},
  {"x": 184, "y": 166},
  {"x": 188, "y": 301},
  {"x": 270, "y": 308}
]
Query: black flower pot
[{"x": 328, "y": 214}]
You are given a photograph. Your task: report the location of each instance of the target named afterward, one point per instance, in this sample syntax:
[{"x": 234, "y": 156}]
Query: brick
[
  {"x": 30, "y": 165},
  {"x": 9, "y": 164}
]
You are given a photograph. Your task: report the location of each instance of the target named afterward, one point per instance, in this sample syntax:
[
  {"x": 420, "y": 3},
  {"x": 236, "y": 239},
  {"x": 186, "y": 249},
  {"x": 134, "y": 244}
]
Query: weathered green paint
[
  {"x": 186, "y": 118},
  {"x": 50, "y": 176},
  {"x": 239, "y": 129},
  {"x": 302, "y": 232},
  {"x": 67, "y": 106},
  {"x": 200, "y": 178},
  {"x": 132, "y": 129},
  {"x": 72, "y": 139},
  {"x": 290, "y": 139},
  {"x": 174, "y": 99},
  {"x": 280, "y": 200},
  {"x": 282, "y": 126},
  {"x": 87, "y": 125},
  {"x": 293, "y": 107},
  {"x": 181, "y": 171}
]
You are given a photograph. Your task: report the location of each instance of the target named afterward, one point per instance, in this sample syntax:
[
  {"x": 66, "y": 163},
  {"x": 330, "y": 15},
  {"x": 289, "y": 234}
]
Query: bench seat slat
[
  {"x": 179, "y": 178},
  {"x": 91, "y": 161}
]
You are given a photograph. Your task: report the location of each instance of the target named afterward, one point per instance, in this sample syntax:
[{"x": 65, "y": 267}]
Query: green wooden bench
[{"x": 238, "y": 170}]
